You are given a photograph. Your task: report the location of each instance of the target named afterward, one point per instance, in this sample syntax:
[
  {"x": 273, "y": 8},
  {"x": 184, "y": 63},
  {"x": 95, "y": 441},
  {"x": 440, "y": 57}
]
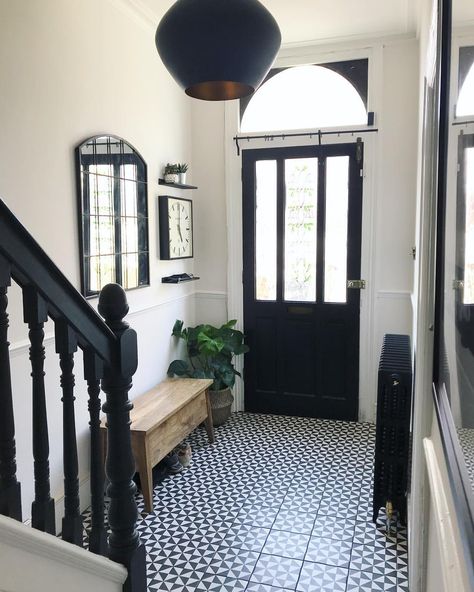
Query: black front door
[{"x": 302, "y": 215}]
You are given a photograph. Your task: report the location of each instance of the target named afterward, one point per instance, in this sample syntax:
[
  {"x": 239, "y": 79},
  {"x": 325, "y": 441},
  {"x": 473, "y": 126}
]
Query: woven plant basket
[{"x": 221, "y": 403}]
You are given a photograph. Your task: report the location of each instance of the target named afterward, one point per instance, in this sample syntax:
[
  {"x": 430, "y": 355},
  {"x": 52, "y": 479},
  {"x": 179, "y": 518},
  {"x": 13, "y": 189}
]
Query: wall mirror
[
  {"x": 113, "y": 214},
  {"x": 454, "y": 337}
]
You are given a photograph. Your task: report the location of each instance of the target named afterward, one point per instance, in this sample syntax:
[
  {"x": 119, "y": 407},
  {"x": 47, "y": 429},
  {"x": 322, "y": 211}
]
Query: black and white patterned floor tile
[
  {"x": 277, "y": 504},
  {"x": 466, "y": 440}
]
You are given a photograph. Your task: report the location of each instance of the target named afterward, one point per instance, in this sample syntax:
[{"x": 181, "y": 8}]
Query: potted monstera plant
[{"x": 211, "y": 351}]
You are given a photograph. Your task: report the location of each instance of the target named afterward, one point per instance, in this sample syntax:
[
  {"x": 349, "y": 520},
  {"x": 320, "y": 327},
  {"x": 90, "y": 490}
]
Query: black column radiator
[{"x": 393, "y": 427}]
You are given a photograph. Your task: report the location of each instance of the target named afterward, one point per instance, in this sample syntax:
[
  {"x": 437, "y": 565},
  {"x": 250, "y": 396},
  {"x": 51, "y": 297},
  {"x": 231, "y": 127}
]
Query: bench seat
[{"x": 160, "y": 419}]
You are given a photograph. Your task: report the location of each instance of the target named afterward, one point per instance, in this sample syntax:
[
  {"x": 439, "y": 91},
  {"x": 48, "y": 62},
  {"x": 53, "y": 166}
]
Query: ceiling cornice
[{"x": 139, "y": 11}]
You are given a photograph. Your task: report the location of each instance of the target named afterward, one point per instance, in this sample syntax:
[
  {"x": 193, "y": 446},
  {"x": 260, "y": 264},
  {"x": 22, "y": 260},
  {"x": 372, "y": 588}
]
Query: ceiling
[{"x": 303, "y": 21}]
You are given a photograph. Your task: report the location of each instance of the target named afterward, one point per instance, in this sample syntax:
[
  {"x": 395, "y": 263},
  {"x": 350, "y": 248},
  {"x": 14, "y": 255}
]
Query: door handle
[
  {"x": 356, "y": 284},
  {"x": 458, "y": 284}
]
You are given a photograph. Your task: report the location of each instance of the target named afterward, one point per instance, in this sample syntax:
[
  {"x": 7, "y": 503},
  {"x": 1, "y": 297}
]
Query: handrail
[
  {"x": 110, "y": 361},
  {"x": 31, "y": 265}
]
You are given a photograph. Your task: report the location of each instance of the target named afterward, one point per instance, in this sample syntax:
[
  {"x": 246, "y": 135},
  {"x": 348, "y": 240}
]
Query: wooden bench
[{"x": 160, "y": 419}]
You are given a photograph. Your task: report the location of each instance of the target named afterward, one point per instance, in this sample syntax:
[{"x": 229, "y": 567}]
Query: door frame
[{"x": 368, "y": 356}]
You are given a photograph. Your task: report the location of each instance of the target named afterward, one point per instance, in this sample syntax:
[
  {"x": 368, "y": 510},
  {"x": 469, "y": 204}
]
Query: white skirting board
[
  {"x": 445, "y": 571},
  {"x": 34, "y": 560}
]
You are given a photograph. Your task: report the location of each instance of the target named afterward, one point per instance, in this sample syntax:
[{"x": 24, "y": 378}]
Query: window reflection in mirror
[
  {"x": 456, "y": 363},
  {"x": 113, "y": 214}
]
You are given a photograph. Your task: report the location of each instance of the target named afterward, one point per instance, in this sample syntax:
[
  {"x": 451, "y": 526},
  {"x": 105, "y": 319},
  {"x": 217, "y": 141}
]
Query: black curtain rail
[
  {"x": 317, "y": 134},
  {"x": 463, "y": 122}
]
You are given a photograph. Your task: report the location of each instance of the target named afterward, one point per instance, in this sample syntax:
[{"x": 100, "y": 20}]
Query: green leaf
[
  {"x": 178, "y": 329},
  {"x": 179, "y": 368},
  {"x": 209, "y": 345}
]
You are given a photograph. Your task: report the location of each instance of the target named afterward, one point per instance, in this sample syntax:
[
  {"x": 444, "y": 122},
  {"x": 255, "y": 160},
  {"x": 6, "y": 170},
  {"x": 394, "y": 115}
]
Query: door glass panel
[
  {"x": 266, "y": 230},
  {"x": 301, "y": 194},
  {"x": 469, "y": 230},
  {"x": 335, "y": 246}
]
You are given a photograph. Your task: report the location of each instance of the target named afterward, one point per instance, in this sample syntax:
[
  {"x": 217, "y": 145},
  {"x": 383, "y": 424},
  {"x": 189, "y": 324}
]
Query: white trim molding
[
  {"x": 395, "y": 294},
  {"x": 447, "y": 539},
  {"x": 205, "y": 295},
  {"x": 15, "y": 534},
  {"x": 137, "y": 10}
]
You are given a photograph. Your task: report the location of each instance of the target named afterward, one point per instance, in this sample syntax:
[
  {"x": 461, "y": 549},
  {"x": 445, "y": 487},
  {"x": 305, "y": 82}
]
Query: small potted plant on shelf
[
  {"x": 182, "y": 169},
  {"x": 171, "y": 173},
  {"x": 211, "y": 351}
]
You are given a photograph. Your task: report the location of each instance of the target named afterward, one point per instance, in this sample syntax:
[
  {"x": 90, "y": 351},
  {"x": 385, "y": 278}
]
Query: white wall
[
  {"x": 70, "y": 70},
  {"x": 210, "y": 262},
  {"x": 395, "y": 200},
  {"x": 389, "y": 196}
]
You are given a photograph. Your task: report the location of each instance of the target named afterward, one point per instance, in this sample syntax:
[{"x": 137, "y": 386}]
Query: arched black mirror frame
[{"x": 116, "y": 152}]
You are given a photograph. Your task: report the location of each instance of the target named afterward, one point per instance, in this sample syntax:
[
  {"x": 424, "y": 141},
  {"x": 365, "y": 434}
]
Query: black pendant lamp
[{"x": 218, "y": 49}]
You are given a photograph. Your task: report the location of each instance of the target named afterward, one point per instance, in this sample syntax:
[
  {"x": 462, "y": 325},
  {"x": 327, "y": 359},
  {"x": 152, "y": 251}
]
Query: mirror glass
[
  {"x": 457, "y": 349},
  {"x": 113, "y": 214}
]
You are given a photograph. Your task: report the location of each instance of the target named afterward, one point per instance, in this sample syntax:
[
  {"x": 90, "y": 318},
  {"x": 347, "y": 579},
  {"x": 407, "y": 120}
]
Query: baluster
[
  {"x": 66, "y": 346},
  {"x": 124, "y": 541},
  {"x": 35, "y": 313},
  {"x": 10, "y": 494},
  {"x": 93, "y": 372}
]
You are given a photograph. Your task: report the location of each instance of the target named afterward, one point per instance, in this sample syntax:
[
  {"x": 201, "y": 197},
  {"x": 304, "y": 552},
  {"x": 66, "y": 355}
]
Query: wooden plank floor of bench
[{"x": 165, "y": 399}]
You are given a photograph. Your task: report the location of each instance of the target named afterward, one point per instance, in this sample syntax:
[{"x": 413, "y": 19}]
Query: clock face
[{"x": 180, "y": 228}]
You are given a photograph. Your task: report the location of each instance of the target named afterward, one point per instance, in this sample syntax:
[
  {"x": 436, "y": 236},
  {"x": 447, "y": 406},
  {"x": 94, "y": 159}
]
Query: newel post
[{"x": 124, "y": 542}]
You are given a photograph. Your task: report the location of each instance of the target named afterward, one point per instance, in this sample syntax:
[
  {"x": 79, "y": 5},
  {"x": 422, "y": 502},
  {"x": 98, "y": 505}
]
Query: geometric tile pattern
[
  {"x": 466, "y": 440},
  {"x": 276, "y": 504}
]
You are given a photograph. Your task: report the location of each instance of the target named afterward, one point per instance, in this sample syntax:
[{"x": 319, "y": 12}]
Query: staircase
[{"x": 109, "y": 349}]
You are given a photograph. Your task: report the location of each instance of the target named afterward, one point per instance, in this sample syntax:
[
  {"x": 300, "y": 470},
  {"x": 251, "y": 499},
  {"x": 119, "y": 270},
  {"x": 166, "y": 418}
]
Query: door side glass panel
[
  {"x": 468, "y": 297},
  {"x": 266, "y": 230},
  {"x": 301, "y": 194},
  {"x": 465, "y": 102},
  {"x": 335, "y": 250}
]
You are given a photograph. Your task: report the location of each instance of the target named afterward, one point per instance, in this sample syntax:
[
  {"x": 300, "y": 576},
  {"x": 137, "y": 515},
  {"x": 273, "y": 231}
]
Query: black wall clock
[{"x": 176, "y": 227}]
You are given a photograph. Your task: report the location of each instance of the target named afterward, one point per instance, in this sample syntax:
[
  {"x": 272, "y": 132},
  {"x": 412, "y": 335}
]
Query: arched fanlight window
[
  {"x": 305, "y": 97},
  {"x": 465, "y": 102}
]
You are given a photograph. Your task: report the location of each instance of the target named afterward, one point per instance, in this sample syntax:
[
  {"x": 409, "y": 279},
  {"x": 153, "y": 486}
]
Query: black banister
[
  {"x": 31, "y": 265},
  {"x": 10, "y": 495},
  {"x": 110, "y": 361}
]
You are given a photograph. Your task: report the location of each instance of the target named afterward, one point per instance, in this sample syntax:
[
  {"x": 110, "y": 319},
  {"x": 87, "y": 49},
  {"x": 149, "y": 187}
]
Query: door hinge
[{"x": 356, "y": 284}]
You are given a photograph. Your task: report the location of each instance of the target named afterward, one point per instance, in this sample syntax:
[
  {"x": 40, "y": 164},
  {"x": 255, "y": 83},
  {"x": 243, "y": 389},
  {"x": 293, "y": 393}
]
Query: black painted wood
[
  {"x": 35, "y": 313},
  {"x": 177, "y": 185},
  {"x": 30, "y": 265},
  {"x": 10, "y": 495},
  {"x": 47, "y": 293},
  {"x": 124, "y": 541},
  {"x": 93, "y": 372},
  {"x": 66, "y": 346},
  {"x": 304, "y": 356}
]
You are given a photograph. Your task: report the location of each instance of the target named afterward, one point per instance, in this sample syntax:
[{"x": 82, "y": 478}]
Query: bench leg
[
  {"x": 208, "y": 420},
  {"x": 145, "y": 471}
]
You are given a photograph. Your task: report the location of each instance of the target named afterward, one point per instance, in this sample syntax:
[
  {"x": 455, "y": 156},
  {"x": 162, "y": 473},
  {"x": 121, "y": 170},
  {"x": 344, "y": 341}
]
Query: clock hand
[{"x": 179, "y": 225}]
